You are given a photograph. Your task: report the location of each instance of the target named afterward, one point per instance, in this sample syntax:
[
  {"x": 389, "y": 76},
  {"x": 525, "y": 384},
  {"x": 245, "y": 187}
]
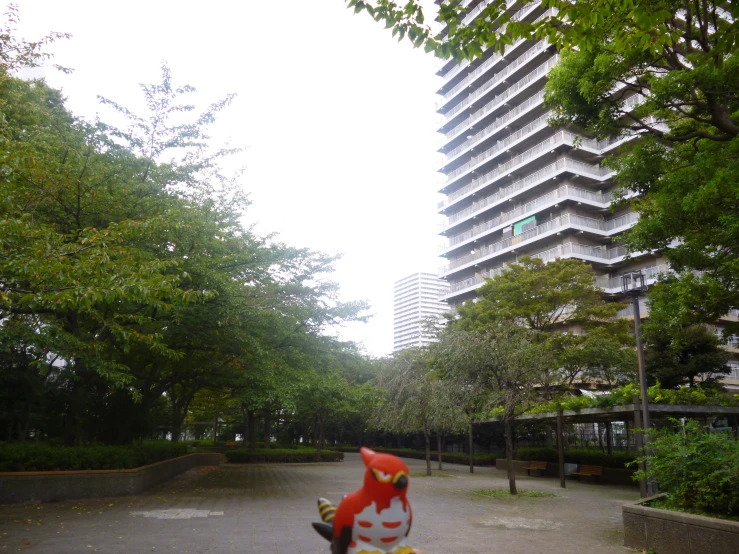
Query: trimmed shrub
[
  {"x": 345, "y": 448},
  {"x": 482, "y": 460},
  {"x": 699, "y": 471},
  {"x": 617, "y": 460},
  {"x": 203, "y": 442},
  {"x": 282, "y": 456},
  {"x": 43, "y": 457}
]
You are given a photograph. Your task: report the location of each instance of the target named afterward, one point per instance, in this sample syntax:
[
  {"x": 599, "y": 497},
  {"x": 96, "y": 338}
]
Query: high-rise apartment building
[
  {"x": 416, "y": 299},
  {"x": 514, "y": 185}
]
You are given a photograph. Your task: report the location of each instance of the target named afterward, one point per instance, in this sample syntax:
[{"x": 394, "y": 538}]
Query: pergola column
[{"x": 561, "y": 448}]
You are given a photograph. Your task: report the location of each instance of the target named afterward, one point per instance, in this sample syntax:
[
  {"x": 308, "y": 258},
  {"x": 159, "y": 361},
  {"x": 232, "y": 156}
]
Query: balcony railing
[
  {"x": 482, "y": 68},
  {"x": 555, "y": 224},
  {"x": 558, "y": 139},
  {"x": 501, "y": 98},
  {"x": 499, "y": 123},
  {"x": 493, "y": 81},
  {"x": 544, "y": 173},
  {"x": 600, "y": 253},
  {"x": 651, "y": 274},
  {"x": 469, "y": 17},
  {"x": 538, "y": 124},
  {"x": 535, "y": 205},
  {"x": 603, "y": 282}
]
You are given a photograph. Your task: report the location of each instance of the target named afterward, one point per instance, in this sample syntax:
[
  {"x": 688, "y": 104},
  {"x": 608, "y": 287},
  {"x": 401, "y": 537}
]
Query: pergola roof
[{"x": 625, "y": 413}]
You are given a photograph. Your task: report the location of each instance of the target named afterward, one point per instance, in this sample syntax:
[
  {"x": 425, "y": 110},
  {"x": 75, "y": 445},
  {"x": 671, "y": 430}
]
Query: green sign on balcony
[{"x": 518, "y": 227}]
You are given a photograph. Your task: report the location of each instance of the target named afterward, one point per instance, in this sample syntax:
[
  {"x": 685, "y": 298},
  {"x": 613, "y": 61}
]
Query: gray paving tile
[{"x": 264, "y": 509}]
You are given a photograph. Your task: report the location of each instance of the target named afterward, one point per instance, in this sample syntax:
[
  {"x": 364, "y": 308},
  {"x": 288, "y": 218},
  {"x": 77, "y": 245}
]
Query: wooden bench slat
[
  {"x": 588, "y": 471},
  {"x": 535, "y": 466}
]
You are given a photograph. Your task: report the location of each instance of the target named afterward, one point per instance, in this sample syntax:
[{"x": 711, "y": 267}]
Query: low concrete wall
[
  {"x": 610, "y": 475},
  {"x": 676, "y": 532},
  {"x": 50, "y": 486}
]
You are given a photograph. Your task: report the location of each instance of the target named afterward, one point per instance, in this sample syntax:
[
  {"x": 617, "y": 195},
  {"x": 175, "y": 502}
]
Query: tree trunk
[
  {"x": 321, "y": 444},
  {"x": 77, "y": 406},
  {"x": 215, "y": 429},
  {"x": 509, "y": 456},
  {"x": 24, "y": 422},
  {"x": 267, "y": 428},
  {"x": 427, "y": 438},
  {"x": 440, "y": 448},
  {"x": 609, "y": 438},
  {"x": 245, "y": 437},
  {"x": 176, "y": 432},
  {"x": 252, "y": 431},
  {"x": 628, "y": 436},
  {"x": 471, "y": 448}
]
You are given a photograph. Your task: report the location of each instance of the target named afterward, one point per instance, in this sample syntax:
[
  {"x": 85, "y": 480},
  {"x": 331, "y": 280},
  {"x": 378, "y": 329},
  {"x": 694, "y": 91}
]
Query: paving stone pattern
[{"x": 268, "y": 509}]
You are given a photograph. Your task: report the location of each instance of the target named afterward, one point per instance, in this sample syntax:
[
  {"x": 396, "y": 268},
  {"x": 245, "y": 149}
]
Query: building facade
[
  {"x": 415, "y": 300},
  {"x": 515, "y": 186}
]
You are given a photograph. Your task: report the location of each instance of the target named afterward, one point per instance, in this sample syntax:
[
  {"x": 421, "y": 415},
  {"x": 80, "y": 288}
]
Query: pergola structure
[{"x": 627, "y": 413}]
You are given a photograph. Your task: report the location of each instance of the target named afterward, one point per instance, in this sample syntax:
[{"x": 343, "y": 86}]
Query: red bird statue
[{"x": 375, "y": 519}]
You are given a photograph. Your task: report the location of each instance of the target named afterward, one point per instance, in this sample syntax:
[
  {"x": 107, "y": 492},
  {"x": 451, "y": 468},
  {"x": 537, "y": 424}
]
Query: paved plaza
[{"x": 269, "y": 508}]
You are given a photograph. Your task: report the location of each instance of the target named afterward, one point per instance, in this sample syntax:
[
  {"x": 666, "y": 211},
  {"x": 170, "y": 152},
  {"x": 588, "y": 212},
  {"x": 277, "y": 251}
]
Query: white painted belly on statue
[{"x": 380, "y": 532}]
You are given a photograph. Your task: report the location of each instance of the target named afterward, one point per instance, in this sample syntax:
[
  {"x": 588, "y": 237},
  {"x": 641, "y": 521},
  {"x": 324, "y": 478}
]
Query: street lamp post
[{"x": 634, "y": 285}]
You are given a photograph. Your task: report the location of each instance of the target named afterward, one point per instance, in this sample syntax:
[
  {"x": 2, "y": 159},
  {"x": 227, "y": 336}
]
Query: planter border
[
  {"x": 98, "y": 471},
  {"x": 45, "y": 486},
  {"x": 676, "y": 532}
]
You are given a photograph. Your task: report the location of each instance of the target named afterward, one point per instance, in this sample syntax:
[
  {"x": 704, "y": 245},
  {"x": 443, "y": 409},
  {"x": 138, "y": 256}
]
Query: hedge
[
  {"x": 616, "y": 460},
  {"x": 449, "y": 457},
  {"x": 198, "y": 443},
  {"x": 282, "y": 456},
  {"x": 44, "y": 457},
  {"x": 345, "y": 448}
]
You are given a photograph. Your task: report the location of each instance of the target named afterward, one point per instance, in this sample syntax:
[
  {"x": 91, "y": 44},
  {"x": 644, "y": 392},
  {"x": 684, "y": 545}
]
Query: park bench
[
  {"x": 231, "y": 444},
  {"x": 587, "y": 471},
  {"x": 535, "y": 466}
]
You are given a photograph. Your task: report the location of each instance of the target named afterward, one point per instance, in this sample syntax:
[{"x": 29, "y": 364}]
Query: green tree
[
  {"x": 600, "y": 357},
  {"x": 131, "y": 280},
  {"x": 693, "y": 356},
  {"x": 554, "y": 299},
  {"x": 540, "y": 296},
  {"x": 416, "y": 400},
  {"x": 501, "y": 364},
  {"x": 17, "y": 54},
  {"x": 652, "y": 27},
  {"x": 699, "y": 471}
]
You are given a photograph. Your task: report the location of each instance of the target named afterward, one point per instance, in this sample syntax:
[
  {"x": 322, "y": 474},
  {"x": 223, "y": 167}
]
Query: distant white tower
[{"x": 416, "y": 299}]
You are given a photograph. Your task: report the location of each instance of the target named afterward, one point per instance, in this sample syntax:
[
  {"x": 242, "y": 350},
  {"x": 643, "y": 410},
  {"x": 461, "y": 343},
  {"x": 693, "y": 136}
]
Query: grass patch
[{"x": 504, "y": 493}]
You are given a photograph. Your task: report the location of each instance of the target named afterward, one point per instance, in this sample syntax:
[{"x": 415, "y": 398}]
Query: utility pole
[{"x": 634, "y": 285}]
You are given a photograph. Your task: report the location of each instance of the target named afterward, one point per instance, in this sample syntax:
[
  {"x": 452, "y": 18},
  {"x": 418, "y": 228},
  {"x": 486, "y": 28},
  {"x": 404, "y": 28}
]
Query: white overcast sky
[{"x": 336, "y": 117}]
